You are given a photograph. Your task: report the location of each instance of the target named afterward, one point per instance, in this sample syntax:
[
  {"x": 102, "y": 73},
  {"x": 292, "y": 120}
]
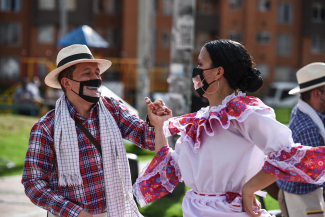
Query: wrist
[{"x": 248, "y": 189}]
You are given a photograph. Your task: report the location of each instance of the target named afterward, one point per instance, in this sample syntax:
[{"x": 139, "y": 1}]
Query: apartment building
[{"x": 281, "y": 35}]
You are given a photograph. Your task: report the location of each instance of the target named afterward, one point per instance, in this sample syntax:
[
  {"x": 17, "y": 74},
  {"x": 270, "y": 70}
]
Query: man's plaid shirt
[
  {"x": 306, "y": 132},
  {"x": 40, "y": 176}
]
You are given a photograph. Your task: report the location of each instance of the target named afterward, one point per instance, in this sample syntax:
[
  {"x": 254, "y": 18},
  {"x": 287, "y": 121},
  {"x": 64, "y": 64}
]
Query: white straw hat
[
  {"x": 72, "y": 55},
  {"x": 309, "y": 77}
]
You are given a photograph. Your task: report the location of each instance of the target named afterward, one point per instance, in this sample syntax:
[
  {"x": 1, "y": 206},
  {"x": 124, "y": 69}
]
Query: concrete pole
[
  {"x": 143, "y": 53},
  {"x": 63, "y": 18},
  {"x": 180, "y": 77}
]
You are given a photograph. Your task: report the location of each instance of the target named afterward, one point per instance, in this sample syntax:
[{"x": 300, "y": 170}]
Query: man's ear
[
  {"x": 315, "y": 94},
  {"x": 220, "y": 72},
  {"x": 66, "y": 83}
]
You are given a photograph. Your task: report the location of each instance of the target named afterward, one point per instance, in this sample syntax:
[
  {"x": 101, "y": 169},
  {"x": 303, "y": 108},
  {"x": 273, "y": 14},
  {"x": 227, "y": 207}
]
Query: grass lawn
[
  {"x": 283, "y": 115},
  {"x": 14, "y": 136}
]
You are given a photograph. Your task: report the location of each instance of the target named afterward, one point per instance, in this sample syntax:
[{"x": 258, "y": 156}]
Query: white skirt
[{"x": 195, "y": 205}]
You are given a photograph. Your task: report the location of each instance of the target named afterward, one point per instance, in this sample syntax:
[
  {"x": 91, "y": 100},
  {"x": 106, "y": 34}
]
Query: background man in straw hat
[
  {"x": 307, "y": 125},
  {"x": 64, "y": 171}
]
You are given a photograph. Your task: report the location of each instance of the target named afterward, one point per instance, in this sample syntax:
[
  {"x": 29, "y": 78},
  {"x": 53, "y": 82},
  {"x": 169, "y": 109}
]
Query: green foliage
[
  {"x": 271, "y": 203},
  {"x": 131, "y": 148},
  {"x": 14, "y": 137},
  {"x": 164, "y": 207},
  {"x": 283, "y": 115}
]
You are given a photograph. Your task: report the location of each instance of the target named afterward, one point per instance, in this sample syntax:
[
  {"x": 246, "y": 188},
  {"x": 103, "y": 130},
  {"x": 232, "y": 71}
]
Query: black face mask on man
[
  {"x": 95, "y": 83},
  {"x": 198, "y": 79}
]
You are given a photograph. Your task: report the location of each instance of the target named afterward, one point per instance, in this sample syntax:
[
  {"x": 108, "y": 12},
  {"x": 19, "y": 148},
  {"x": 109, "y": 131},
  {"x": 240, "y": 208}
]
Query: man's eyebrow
[{"x": 89, "y": 69}]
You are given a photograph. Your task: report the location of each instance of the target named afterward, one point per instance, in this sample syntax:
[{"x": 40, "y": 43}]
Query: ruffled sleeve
[
  {"x": 284, "y": 159},
  {"x": 159, "y": 178}
]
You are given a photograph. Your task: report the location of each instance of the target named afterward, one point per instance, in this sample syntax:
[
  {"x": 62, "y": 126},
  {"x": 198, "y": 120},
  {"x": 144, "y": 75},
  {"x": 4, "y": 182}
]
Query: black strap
[
  {"x": 75, "y": 57},
  {"x": 312, "y": 82},
  {"x": 88, "y": 135}
]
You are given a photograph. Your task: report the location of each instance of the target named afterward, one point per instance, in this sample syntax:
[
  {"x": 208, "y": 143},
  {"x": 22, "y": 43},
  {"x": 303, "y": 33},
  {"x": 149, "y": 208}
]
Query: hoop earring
[{"x": 210, "y": 83}]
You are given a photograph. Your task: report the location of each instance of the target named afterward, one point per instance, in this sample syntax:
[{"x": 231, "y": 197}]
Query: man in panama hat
[
  {"x": 76, "y": 162},
  {"x": 307, "y": 125}
]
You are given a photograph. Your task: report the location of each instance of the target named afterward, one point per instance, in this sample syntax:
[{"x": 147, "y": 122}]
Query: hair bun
[{"x": 251, "y": 81}]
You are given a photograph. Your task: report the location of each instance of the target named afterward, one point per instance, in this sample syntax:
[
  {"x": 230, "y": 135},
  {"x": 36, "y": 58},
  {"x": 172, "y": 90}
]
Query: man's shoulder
[{"x": 47, "y": 121}]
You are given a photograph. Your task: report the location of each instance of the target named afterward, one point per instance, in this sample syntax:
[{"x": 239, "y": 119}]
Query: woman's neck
[{"x": 217, "y": 98}]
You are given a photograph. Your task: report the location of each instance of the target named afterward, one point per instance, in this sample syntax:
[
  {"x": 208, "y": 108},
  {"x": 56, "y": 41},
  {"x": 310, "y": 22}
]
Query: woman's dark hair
[{"x": 237, "y": 64}]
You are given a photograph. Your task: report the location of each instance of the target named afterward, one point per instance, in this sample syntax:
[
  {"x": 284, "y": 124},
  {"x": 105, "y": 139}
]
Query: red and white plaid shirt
[{"x": 40, "y": 176}]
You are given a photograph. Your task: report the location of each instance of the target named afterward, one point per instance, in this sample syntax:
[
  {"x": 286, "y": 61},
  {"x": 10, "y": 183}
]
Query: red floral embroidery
[
  {"x": 153, "y": 189},
  {"x": 231, "y": 196},
  {"x": 234, "y": 108},
  {"x": 309, "y": 169}
]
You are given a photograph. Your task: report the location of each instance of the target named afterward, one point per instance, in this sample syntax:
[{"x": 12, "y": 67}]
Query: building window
[
  {"x": 284, "y": 73},
  {"x": 165, "y": 38},
  {"x": 200, "y": 39},
  {"x": 10, "y": 5},
  {"x": 113, "y": 37},
  {"x": 46, "y": 5},
  {"x": 318, "y": 12},
  {"x": 46, "y": 34},
  {"x": 263, "y": 5},
  {"x": 235, "y": 4},
  {"x": 154, "y": 38},
  {"x": 10, "y": 34},
  {"x": 155, "y": 6},
  {"x": 107, "y": 6},
  {"x": 284, "y": 45},
  {"x": 317, "y": 44},
  {"x": 168, "y": 7},
  {"x": 206, "y": 7},
  {"x": 235, "y": 36},
  {"x": 285, "y": 13},
  {"x": 71, "y": 5},
  {"x": 264, "y": 69},
  {"x": 263, "y": 37}
]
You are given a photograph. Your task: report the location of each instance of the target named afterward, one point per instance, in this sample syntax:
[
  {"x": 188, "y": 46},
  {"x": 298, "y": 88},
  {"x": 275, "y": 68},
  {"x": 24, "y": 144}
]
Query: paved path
[{"x": 14, "y": 202}]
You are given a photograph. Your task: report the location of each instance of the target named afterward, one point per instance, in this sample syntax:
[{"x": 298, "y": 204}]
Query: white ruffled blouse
[{"x": 220, "y": 149}]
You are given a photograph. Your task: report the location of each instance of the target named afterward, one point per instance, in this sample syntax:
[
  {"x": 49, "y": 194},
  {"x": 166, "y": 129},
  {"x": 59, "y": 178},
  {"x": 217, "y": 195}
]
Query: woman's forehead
[{"x": 204, "y": 55}]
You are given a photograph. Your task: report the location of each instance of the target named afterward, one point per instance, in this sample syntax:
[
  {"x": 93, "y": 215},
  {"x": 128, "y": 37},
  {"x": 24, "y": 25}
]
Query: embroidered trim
[
  {"x": 161, "y": 168},
  {"x": 284, "y": 163},
  {"x": 233, "y": 108}
]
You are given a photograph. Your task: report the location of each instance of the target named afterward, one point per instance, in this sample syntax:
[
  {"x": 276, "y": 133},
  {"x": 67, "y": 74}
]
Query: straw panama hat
[
  {"x": 309, "y": 77},
  {"x": 72, "y": 55}
]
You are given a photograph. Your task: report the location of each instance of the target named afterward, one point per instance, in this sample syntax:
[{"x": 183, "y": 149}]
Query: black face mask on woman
[
  {"x": 89, "y": 83},
  {"x": 198, "y": 79}
]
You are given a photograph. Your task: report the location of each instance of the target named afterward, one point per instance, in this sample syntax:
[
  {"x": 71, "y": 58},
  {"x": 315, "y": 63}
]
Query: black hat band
[
  {"x": 75, "y": 57},
  {"x": 312, "y": 82}
]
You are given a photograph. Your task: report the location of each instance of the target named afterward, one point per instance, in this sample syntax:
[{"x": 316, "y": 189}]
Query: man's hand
[
  {"x": 157, "y": 112},
  {"x": 84, "y": 213},
  {"x": 158, "y": 107}
]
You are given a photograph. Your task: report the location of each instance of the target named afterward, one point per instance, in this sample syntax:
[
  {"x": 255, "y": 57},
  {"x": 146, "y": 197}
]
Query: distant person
[
  {"x": 76, "y": 163},
  {"x": 307, "y": 125},
  {"x": 24, "y": 98},
  {"x": 34, "y": 88}
]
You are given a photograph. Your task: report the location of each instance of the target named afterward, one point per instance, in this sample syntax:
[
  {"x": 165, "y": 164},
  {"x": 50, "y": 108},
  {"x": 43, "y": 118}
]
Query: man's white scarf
[
  {"x": 308, "y": 110},
  {"x": 118, "y": 188}
]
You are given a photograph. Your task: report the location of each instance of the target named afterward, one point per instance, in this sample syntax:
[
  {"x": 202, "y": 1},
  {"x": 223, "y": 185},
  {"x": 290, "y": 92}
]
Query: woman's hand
[
  {"x": 261, "y": 180},
  {"x": 158, "y": 113},
  {"x": 249, "y": 202}
]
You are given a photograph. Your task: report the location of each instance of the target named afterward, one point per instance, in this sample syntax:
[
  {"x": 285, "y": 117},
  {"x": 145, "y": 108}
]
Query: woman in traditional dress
[{"x": 230, "y": 150}]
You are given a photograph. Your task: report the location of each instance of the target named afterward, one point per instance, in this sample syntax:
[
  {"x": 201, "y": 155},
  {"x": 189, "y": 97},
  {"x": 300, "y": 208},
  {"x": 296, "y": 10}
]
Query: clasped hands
[{"x": 158, "y": 112}]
